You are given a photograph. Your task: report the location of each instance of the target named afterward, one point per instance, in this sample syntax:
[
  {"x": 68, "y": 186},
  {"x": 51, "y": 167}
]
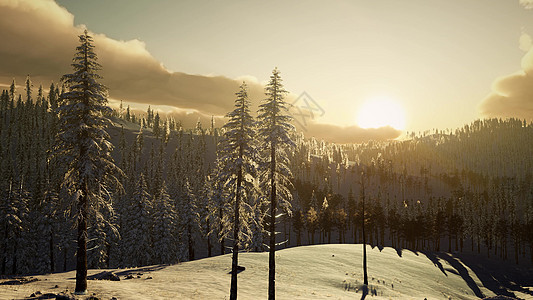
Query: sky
[{"x": 443, "y": 63}]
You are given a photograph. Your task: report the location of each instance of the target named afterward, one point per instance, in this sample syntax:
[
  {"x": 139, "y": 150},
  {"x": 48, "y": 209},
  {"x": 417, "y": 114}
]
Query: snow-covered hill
[{"x": 309, "y": 272}]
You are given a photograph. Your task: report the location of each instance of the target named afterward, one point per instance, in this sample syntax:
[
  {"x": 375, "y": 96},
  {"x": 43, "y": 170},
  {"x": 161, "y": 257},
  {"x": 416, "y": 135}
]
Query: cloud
[
  {"x": 41, "y": 40},
  {"x": 525, "y": 42},
  {"x": 512, "y": 95},
  {"x": 527, "y": 4},
  {"x": 38, "y": 37}
]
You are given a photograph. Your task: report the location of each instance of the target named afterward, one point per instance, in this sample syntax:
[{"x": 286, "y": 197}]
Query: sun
[{"x": 381, "y": 111}]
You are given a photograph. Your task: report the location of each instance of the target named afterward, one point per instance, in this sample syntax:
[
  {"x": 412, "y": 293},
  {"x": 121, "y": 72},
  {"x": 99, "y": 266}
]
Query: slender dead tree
[{"x": 365, "y": 272}]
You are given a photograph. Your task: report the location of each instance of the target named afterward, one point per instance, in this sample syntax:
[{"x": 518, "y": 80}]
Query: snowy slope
[{"x": 309, "y": 272}]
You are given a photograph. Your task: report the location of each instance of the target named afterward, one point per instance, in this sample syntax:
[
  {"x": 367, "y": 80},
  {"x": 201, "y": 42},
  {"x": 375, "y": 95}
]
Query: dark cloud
[{"x": 38, "y": 37}]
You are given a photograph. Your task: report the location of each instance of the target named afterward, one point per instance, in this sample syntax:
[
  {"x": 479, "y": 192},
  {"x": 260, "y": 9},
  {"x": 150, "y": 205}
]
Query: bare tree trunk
[
  {"x": 190, "y": 242},
  {"x": 235, "y": 256},
  {"x": 285, "y": 232},
  {"x": 289, "y": 239},
  {"x": 81, "y": 255},
  {"x": 220, "y": 229},
  {"x": 52, "y": 264},
  {"x": 208, "y": 238},
  {"x": 15, "y": 251},
  {"x": 365, "y": 273},
  {"x": 4, "y": 261},
  {"x": 65, "y": 250},
  {"x": 108, "y": 257},
  {"x": 272, "y": 250},
  {"x": 354, "y": 233},
  {"x": 516, "y": 252}
]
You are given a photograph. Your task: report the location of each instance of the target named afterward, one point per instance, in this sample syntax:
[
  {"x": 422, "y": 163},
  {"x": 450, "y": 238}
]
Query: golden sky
[{"x": 445, "y": 63}]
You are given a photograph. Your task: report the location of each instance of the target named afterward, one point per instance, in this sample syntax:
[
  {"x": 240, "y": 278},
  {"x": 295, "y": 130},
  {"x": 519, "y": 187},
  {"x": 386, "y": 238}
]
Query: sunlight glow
[{"x": 381, "y": 111}]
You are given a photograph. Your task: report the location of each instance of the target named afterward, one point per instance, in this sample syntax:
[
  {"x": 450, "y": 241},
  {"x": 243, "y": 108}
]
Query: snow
[{"x": 308, "y": 272}]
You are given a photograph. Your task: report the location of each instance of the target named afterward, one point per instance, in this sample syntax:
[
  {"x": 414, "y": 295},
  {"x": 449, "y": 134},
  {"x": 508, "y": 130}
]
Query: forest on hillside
[{"x": 464, "y": 190}]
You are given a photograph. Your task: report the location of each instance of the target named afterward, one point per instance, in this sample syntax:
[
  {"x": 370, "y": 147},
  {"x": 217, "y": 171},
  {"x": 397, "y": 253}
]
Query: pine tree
[
  {"x": 313, "y": 202},
  {"x": 137, "y": 227},
  {"x": 326, "y": 219},
  {"x": 53, "y": 97},
  {"x": 128, "y": 114},
  {"x": 217, "y": 201},
  {"x": 189, "y": 219},
  {"x": 83, "y": 145},
  {"x": 297, "y": 218},
  {"x": 149, "y": 117},
  {"x": 257, "y": 229},
  {"x": 312, "y": 223},
  {"x": 274, "y": 129},
  {"x": 352, "y": 208},
  {"x": 138, "y": 147},
  {"x": 156, "y": 128},
  {"x": 15, "y": 212},
  {"x": 121, "y": 110},
  {"x": 97, "y": 256},
  {"x": 165, "y": 132},
  {"x": 45, "y": 221},
  {"x": 240, "y": 167},
  {"x": 12, "y": 90},
  {"x": 164, "y": 229},
  {"x": 204, "y": 207},
  {"x": 28, "y": 89}
]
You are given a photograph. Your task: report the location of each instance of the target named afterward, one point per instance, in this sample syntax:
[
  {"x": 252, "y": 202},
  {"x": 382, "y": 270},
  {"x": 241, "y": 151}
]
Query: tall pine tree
[
  {"x": 275, "y": 126},
  {"x": 83, "y": 145},
  {"x": 240, "y": 167}
]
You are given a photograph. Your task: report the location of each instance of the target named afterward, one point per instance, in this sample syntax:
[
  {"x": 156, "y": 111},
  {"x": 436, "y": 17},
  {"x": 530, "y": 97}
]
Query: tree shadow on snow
[
  {"x": 126, "y": 272},
  {"x": 380, "y": 247},
  {"x": 239, "y": 269},
  {"x": 398, "y": 251},
  {"x": 501, "y": 277},
  {"x": 435, "y": 260},
  {"x": 364, "y": 289},
  {"x": 463, "y": 272},
  {"x": 135, "y": 271}
]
